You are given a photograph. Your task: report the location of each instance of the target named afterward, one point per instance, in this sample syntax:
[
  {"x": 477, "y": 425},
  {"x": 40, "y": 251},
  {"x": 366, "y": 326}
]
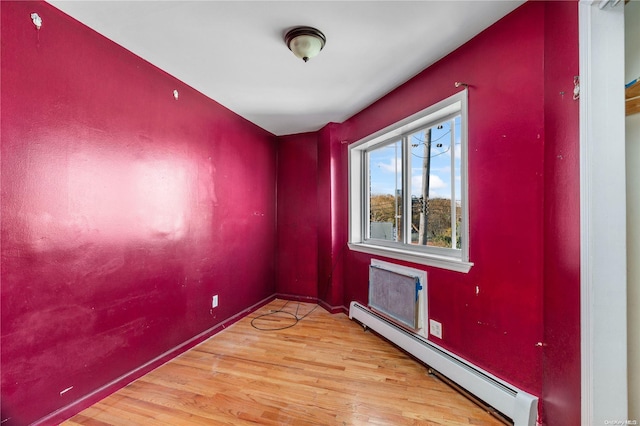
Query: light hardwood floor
[{"x": 324, "y": 370}]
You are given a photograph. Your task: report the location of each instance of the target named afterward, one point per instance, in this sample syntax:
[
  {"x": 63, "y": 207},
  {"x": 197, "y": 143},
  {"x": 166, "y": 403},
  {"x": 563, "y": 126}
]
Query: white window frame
[{"x": 452, "y": 259}]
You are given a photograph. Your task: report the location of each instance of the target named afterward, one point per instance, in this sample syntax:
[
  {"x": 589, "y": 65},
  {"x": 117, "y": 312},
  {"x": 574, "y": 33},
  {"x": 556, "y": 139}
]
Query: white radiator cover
[{"x": 520, "y": 406}]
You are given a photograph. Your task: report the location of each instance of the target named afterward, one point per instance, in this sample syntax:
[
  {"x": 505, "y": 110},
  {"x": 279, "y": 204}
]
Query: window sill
[{"x": 444, "y": 262}]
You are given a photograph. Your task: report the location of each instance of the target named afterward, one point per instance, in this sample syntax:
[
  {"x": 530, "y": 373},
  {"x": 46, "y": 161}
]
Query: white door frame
[{"x": 603, "y": 274}]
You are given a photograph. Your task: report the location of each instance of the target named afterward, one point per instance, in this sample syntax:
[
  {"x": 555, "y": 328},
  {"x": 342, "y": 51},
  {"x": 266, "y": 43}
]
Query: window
[{"x": 408, "y": 188}]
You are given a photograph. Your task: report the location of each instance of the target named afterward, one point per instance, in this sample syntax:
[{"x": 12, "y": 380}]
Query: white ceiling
[{"x": 234, "y": 53}]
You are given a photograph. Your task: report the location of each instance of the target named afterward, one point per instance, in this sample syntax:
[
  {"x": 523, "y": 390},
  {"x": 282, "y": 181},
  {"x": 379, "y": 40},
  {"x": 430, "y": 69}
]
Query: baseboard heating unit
[{"x": 518, "y": 405}]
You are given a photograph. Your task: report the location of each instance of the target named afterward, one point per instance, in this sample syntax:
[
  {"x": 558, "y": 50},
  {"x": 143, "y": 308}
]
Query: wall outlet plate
[
  {"x": 214, "y": 301},
  {"x": 435, "y": 329}
]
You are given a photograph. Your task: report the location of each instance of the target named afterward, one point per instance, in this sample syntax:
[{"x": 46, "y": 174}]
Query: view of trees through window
[{"x": 433, "y": 217}]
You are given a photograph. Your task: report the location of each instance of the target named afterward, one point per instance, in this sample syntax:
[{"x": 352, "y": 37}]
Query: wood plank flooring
[{"x": 324, "y": 370}]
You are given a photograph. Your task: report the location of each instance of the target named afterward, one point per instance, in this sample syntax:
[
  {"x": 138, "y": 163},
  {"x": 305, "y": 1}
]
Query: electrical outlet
[
  {"x": 435, "y": 329},
  {"x": 214, "y": 301}
]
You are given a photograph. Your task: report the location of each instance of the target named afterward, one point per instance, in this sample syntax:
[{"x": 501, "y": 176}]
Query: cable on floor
[
  {"x": 297, "y": 319},
  {"x": 295, "y": 316}
]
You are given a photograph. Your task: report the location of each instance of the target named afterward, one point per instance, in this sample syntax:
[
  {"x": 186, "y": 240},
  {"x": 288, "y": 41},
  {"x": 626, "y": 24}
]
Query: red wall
[
  {"x": 495, "y": 315},
  {"x": 498, "y": 326},
  {"x": 332, "y": 216},
  {"x": 561, "y": 385},
  {"x": 123, "y": 212},
  {"x": 297, "y": 272}
]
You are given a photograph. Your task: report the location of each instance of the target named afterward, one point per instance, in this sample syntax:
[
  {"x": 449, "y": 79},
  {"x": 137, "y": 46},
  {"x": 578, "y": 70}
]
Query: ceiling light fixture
[{"x": 305, "y": 42}]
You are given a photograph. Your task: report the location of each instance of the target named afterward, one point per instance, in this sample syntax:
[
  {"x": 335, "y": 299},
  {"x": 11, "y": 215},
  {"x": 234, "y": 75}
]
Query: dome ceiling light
[{"x": 305, "y": 42}]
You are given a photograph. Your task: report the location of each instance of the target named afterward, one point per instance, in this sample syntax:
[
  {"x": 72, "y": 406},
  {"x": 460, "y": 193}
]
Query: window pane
[
  {"x": 408, "y": 188},
  {"x": 458, "y": 181},
  {"x": 385, "y": 192},
  {"x": 434, "y": 165}
]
